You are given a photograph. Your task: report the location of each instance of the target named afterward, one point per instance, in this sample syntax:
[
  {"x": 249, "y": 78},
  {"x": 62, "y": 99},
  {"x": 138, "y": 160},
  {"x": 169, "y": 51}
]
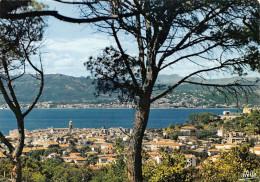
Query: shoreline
[
  {"x": 128, "y": 108},
  {"x": 96, "y": 118}
]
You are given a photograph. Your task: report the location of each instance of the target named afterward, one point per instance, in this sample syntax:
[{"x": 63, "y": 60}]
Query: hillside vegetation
[
  {"x": 249, "y": 123},
  {"x": 62, "y": 89}
]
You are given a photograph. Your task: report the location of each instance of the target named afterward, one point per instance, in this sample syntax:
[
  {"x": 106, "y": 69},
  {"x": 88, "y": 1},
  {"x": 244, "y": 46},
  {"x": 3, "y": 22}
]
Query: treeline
[
  {"x": 53, "y": 170},
  {"x": 206, "y": 124},
  {"x": 229, "y": 167},
  {"x": 248, "y": 123}
]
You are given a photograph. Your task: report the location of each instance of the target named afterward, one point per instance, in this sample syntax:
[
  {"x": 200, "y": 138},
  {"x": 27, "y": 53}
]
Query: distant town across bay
[
  {"x": 62, "y": 91},
  {"x": 96, "y": 118}
]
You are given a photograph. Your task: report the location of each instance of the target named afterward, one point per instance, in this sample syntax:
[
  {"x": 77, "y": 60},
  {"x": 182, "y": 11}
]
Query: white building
[
  {"x": 190, "y": 160},
  {"x": 255, "y": 150}
]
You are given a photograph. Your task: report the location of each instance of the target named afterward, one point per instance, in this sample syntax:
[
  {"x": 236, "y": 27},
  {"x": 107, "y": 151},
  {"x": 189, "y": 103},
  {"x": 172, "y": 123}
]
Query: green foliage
[
  {"x": 203, "y": 118},
  {"x": 72, "y": 146},
  {"x": 79, "y": 174},
  {"x": 60, "y": 174},
  {"x": 37, "y": 154},
  {"x": 5, "y": 168},
  {"x": 230, "y": 166},
  {"x": 52, "y": 150},
  {"x": 92, "y": 159},
  {"x": 172, "y": 168},
  {"x": 53, "y": 170},
  {"x": 246, "y": 123},
  {"x": 207, "y": 134},
  {"x": 49, "y": 167},
  {"x": 174, "y": 135},
  {"x": 38, "y": 177},
  {"x": 83, "y": 150},
  {"x": 31, "y": 169},
  {"x": 119, "y": 146},
  {"x": 62, "y": 89},
  {"x": 115, "y": 172},
  {"x": 199, "y": 127},
  {"x": 171, "y": 126},
  {"x": 206, "y": 124},
  {"x": 173, "y": 131}
]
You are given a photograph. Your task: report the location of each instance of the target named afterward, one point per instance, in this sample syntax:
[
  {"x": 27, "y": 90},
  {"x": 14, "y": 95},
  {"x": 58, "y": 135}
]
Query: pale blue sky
[{"x": 68, "y": 45}]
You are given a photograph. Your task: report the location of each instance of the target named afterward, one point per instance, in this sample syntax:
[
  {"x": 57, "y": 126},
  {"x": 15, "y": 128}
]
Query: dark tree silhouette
[
  {"x": 252, "y": 25},
  {"x": 210, "y": 35},
  {"x": 17, "y": 42},
  {"x": 7, "y": 11}
]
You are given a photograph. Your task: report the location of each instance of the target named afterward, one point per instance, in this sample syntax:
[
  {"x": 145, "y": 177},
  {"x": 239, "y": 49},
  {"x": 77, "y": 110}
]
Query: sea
[{"x": 96, "y": 118}]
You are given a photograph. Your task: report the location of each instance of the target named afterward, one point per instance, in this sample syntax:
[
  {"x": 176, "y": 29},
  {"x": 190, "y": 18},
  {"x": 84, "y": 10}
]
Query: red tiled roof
[{"x": 188, "y": 127}]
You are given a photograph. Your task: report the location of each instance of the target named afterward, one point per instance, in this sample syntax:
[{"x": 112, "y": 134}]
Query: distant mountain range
[{"x": 62, "y": 89}]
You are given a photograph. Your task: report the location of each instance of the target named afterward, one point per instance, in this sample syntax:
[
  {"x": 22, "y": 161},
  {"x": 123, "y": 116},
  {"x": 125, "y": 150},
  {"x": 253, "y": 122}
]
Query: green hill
[{"x": 62, "y": 89}]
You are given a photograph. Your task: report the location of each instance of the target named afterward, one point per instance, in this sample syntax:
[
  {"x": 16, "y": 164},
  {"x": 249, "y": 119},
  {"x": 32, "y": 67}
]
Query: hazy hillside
[{"x": 64, "y": 89}]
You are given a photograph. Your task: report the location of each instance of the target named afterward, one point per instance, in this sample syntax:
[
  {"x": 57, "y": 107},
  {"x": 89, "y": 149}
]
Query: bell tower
[{"x": 70, "y": 126}]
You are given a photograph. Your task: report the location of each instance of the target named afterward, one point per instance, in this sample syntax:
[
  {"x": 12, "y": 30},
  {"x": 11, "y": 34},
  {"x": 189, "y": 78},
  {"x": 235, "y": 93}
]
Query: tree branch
[
  {"x": 125, "y": 59},
  {"x": 10, "y": 87},
  {"x": 233, "y": 88},
  {"x": 6, "y": 96},
  {"x": 78, "y": 2},
  {"x": 219, "y": 85},
  {"x": 208, "y": 17},
  {"x": 140, "y": 47},
  {"x": 187, "y": 56},
  {"x": 6, "y": 142},
  {"x": 225, "y": 64},
  {"x": 41, "y": 86},
  {"x": 64, "y": 18}
]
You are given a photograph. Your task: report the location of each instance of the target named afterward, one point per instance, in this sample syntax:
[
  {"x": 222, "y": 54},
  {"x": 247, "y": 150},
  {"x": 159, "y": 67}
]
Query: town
[{"x": 96, "y": 147}]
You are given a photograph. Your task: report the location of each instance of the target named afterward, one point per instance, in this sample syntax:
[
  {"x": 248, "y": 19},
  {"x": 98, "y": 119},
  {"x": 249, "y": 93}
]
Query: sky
[{"x": 67, "y": 46}]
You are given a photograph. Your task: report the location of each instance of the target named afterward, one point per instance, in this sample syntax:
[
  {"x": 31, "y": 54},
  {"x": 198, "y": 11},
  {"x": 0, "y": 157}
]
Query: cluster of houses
[{"x": 100, "y": 143}]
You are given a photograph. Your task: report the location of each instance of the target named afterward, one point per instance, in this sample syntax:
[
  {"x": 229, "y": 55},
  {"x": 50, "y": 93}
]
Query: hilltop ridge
[{"x": 63, "y": 90}]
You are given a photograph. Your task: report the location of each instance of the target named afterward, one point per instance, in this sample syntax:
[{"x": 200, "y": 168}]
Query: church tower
[{"x": 70, "y": 126}]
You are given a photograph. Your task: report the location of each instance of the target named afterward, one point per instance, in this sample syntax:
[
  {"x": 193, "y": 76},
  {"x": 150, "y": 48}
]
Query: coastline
[
  {"x": 98, "y": 117},
  {"x": 129, "y": 108}
]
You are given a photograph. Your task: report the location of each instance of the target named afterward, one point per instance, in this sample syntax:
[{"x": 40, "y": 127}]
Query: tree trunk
[
  {"x": 16, "y": 169},
  {"x": 134, "y": 158},
  {"x": 16, "y": 160}
]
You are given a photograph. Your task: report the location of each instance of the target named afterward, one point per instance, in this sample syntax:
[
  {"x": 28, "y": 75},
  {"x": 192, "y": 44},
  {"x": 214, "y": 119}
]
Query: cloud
[
  {"x": 63, "y": 64},
  {"x": 78, "y": 46},
  {"x": 67, "y": 56},
  {"x": 69, "y": 45},
  {"x": 185, "y": 67}
]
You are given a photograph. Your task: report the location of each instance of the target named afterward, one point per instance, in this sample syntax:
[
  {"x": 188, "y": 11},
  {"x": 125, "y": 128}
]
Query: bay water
[{"x": 96, "y": 118}]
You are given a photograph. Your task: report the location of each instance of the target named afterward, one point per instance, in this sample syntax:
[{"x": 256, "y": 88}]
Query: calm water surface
[{"x": 96, "y": 118}]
